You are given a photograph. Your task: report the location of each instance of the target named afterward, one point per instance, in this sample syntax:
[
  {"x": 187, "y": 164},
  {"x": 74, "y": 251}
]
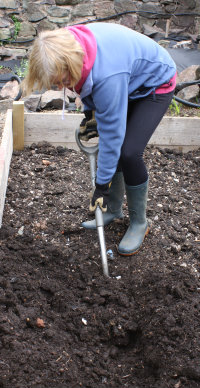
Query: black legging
[{"x": 143, "y": 117}]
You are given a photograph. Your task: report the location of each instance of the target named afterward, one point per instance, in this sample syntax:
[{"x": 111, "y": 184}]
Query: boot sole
[{"x": 133, "y": 253}]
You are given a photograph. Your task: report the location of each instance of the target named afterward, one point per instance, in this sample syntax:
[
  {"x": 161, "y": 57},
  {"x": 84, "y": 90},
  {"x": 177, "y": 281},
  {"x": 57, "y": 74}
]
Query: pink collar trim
[{"x": 88, "y": 42}]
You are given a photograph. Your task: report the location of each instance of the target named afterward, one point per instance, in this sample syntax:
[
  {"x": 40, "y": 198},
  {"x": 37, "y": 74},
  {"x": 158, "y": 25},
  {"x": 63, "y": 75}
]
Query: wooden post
[
  {"x": 167, "y": 28},
  {"x": 18, "y": 125},
  {"x": 6, "y": 148}
]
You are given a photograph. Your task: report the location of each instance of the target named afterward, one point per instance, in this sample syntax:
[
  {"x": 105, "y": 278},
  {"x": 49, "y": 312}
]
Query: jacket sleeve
[{"x": 111, "y": 102}]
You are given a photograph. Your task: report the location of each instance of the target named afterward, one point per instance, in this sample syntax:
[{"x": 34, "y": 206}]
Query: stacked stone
[{"x": 146, "y": 17}]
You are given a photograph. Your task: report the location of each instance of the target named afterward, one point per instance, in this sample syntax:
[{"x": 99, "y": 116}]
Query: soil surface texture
[{"x": 62, "y": 322}]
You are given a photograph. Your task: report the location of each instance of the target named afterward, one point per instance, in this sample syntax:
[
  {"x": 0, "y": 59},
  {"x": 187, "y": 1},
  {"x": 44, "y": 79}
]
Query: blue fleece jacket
[{"x": 128, "y": 66}]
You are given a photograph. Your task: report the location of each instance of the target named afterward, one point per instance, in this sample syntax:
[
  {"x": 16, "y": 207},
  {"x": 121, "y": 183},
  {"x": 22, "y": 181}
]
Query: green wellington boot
[
  {"x": 115, "y": 202},
  {"x": 138, "y": 228}
]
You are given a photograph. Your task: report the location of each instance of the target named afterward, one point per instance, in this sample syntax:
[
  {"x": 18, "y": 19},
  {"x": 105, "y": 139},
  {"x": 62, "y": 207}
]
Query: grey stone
[
  {"x": 165, "y": 2},
  {"x": 197, "y": 72},
  {"x": 151, "y": 10},
  {"x": 152, "y": 30},
  {"x": 58, "y": 21},
  {"x": 4, "y": 23},
  {"x": 129, "y": 21},
  {"x": 190, "y": 93},
  {"x": 188, "y": 4},
  {"x": 50, "y": 2},
  {"x": 45, "y": 25},
  {"x": 125, "y": 5},
  {"x": 32, "y": 102},
  {"x": 58, "y": 11},
  {"x": 35, "y": 13},
  {"x": 27, "y": 30},
  {"x": 104, "y": 9},
  {"x": 169, "y": 8},
  {"x": 184, "y": 21},
  {"x": 142, "y": 20},
  {"x": 67, "y": 2},
  {"x": 5, "y": 33},
  {"x": 83, "y": 10},
  {"x": 53, "y": 99},
  {"x": 12, "y": 4},
  {"x": 37, "y": 16},
  {"x": 25, "y": 4},
  {"x": 188, "y": 74},
  {"x": 5, "y": 105},
  {"x": 10, "y": 90},
  {"x": 12, "y": 53}
]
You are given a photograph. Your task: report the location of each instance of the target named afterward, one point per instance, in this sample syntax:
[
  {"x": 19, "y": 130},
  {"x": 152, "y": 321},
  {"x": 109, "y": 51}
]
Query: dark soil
[{"x": 62, "y": 323}]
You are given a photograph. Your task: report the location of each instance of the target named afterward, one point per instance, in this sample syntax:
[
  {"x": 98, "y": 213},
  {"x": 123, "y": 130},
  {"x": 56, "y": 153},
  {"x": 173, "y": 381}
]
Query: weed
[
  {"x": 175, "y": 107},
  {"x": 17, "y": 25},
  {"x": 21, "y": 71}
]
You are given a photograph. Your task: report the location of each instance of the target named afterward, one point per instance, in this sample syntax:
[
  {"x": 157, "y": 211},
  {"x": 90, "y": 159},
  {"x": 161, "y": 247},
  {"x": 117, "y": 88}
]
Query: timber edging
[{"x": 181, "y": 133}]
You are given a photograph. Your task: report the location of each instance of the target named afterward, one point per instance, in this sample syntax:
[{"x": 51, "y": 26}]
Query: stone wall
[{"x": 179, "y": 17}]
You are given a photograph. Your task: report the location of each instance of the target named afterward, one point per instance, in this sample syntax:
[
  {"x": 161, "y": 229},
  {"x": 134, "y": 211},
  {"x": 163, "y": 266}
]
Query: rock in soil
[{"x": 62, "y": 323}]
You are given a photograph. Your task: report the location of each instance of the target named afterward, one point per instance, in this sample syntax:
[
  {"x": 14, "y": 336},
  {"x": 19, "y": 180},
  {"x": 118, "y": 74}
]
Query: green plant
[
  {"x": 17, "y": 25},
  {"x": 21, "y": 71},
  {"x": 174, "y": 107}
]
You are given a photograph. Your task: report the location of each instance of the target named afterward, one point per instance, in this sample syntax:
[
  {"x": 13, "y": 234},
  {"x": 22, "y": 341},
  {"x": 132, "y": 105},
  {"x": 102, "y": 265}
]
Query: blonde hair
[{"x": 53, "y": 53}]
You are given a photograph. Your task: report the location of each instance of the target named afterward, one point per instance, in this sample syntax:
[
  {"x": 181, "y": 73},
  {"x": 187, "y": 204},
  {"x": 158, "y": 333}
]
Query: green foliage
[
  {"x": 174, "y": 107},
  {"x": 17, "y": 25},
  {"x": 22, "y": 70}
]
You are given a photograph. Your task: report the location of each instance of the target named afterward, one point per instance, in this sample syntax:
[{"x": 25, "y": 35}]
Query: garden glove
[
  {"x": 88, "y": 126},
  {"x": 100, "y": 197}
]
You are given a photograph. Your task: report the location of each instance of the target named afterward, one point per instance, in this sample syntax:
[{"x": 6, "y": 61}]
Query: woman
[{"x": 128, "y": 80}]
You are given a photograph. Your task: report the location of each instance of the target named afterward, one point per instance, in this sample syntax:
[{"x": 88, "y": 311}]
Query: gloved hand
[
  {"x": 100, "y": 197},
  {"x": 88, "y": 126}
]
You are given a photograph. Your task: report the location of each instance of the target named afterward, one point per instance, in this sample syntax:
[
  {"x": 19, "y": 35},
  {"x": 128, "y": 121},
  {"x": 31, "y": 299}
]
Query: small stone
[
  {"x": 84, "y": 321},
  {"x": 175, "y": 248},
  {"x": 40, "y": 323},
  {"x": 21, "y": 231},
  {"x": 10, "y": 90}
]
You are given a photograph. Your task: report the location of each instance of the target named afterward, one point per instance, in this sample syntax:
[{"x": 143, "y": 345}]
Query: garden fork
[{"x": 91, "y": 152}]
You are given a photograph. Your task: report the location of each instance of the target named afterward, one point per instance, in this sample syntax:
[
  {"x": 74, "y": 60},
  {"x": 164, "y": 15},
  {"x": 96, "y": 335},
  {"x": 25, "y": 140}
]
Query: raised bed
[
  {"x": 182, "y": 133},
  {"x": 22, "y": 129},
  {"x": 64, "y": 324}
]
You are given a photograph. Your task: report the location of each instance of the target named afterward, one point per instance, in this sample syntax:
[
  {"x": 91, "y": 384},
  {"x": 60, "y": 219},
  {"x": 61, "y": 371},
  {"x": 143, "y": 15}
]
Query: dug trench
[{"x": 64, "y": 324}]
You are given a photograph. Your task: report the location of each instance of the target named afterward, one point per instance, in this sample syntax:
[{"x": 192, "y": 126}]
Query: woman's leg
[{"x": 143, "y": 118}]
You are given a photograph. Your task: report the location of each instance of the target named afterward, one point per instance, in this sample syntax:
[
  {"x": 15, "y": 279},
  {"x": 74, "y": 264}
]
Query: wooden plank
[
  {"x": 177, "y": 131},
  {"x": 18, "y": 125},
  {"x": 50, "y": 127},
  {"x": 6, "y": 148},
  {"x": 172, "y": 132}
]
